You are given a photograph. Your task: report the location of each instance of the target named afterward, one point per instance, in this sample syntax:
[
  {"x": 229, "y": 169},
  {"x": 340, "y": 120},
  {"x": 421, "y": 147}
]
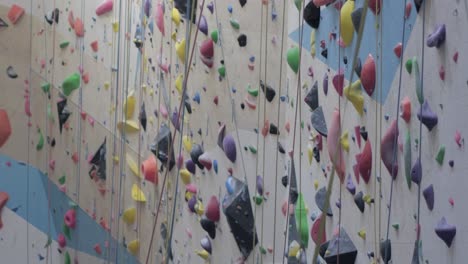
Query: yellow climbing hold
[
  {"x": 367, "y": 198},
  {"x": 316, "y": 184},
  {"x": 294, "y": 248},
  {"x": 188, "y": 196},
  {"x": 129, "y": 105},
  {"x": 310, "y": 153},
  {"x": 362, "y": 234},
  {"x": 116, "y": 159},
  {"x": 115, "y": 26},
  {"x": 185, "y": 176},
  {"x": 187, "y": 143},
  {"x": 133, "y": 246},
  {"x": 129, "y": 215},
  {"x": 346, "y": 23},
  {"x": 128, "y": 126},
  {"x": 180, "y": 50},
  {"x": 354, "y": 94},
  {"x": 178, "y": 83},
  {"x": 345, "y": 141},
  {"x": 199, "y": 208},
  {"x": 133, "y": 166},
  {"x": 107, "y": 85},
  {"x": 176, "y": 16},
  {"x": 137, "y": 194},
  {"x": 203, "y": 254},
  {"x": 312, "y": 44}
]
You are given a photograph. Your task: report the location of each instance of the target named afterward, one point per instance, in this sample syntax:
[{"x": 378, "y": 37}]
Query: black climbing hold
[
  {"x": 284, "y": 180},
  {"x": 312, "y": 99},
  {"x": 316, "y": 154},
  {"x": 142, "y": 117},
  {"x": 11, "y": 72},
  {"x": 339, "y": 247},
  {"x": 242, "y": 2},
  {"x": 52, "y": 16},
  {"x": 162, "y": 145},
  {"x": 320, "y": 199},
  {"x": 345, "y": 60},
  {"x": 181, "y": 5},
  {"x": 99, "y": 161},
  {"x": 363, "y": 133},
  {"x": 312, "y": 14},
  {"x": 280, "y": 148},
  {"x": 269, "y": 92},
  {"x": 242, "y": 39},
  {"x": 63, "y": 113},
  {"x": 196, "y": 152},
  {"x": 209, "y": 226},
  {"x": 418, "y": 4},
  {"x": 318, "y": 121},
  {"x": 3, "y": 23},
  {"x": 356, "y": 18},
  {"x": 273, "y": 129},
  {"x": 324, "y": 53},
  {"x": 242, "y": 105},
  {"x": 359, "y": 201},
  {"x": 386, "y": 250},
  {"x": 358, "y": 67}
]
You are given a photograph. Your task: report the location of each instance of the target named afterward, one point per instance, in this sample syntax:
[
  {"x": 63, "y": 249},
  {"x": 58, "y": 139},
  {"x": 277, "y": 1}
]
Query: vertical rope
[{"x": 278, "y": 118}]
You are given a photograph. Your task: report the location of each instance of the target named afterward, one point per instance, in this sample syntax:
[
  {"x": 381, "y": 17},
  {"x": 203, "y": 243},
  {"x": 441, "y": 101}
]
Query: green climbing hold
[
  {"x": 222, "y": 71},
  {"x": 70, "y": 84},
  {"x": 302, "y": 124},
  {"x": 417, "y": 77},
  {"x": 62, "y": 180},
  {"x": 298, "y": 4},
  {"x": 263, "y": 250},
  {"x": 45, "y": 87},
  {"x": 234, "y": 23},
  {"x": 258, "y": 200},
  {"x": 253, "y": 149},
  {"x": 301, "y": 220},
  {"x": 67, "y": 259},
  {"x": 440, "y": 155},
  {"x": 64, "y": 44},
  {"x": 66, "y": 231},
  {"x": 252, "y": 91},
  {"x": 408, "y": 159},
  {"x": 40, "y": 142},
  {"x": 49, "y": 242},
  {"x": 396, "y": 226},
  {"x": 293, "y": 58},
  {"x": 72, "y": 204},
  {"x": 49, "y": 112},
  {"x": 214, "y": 36},
  {"x": 409, "y": 66}
]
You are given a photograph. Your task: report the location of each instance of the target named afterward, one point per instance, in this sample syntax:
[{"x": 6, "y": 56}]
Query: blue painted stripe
[
  {"x": 392, "y": 20},
  {"x": 15, "y": 179}
]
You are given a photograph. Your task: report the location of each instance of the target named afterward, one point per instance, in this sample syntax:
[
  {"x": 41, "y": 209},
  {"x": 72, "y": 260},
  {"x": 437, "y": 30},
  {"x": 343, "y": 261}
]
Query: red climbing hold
[
  {"x": 5, "y": 127},
  {"x": 442, "y": 73},
  {"x": 212, "y": 209},
  {"x": 15, "y": 13},
  {"x": 368, "y": 75},
  {"x": 375, "y": 6},
  {"x": 388, "y": 149},
  {"x": 3, "y": 200},
  {"x": 455, "y": 57},
  {"x": 94, "y": 46},
  {"x": 98, "y": 249},
  {"x": 338, "y": 81},
  {"x": 408, "y": 10},
  {"x": 364, "y": 161},
  {"x": 314, "y": 232},
  {"x": 397, "y": 50},
  {"x": 405, "y": 109}
]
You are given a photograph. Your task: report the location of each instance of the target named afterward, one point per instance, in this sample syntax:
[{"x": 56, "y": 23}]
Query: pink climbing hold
[
  {"x": 70, "y": 218},
  {"x": 375, "y": 6},
  {"x": 98, "y": 249},
  {"x": 27, "y": 106},
  {"x": 322, "y": 2},
  {"x": 79, "y": 27},
  {"x": 364, "y": 160},
  {"x": 15, "y": 13},
  {"x": 405, "y": 109},
  {"x": 455, "y": 57},
  {"x": 314, "y": 231},
  {"x": 212, "y": 209},
  {"x": 442, "y": 73},
  {"x": 163, "y": 111},
  {"x": 397, "y": 50},
  {"x": 75, "y": 158},
  {"x": 62, "y": 242},
  {"x": 3, "y": 200},
  {"x": 265, "y": 128},
  {"x": 5, "y": 127},
  {"x": 334, "y": 147},
  {"x": 104, "y": 7},
  {"x": 159, "y": 17},
  {"x": 388, "y": 149},
  {"x": 368, "y": 75},
  {"x": 458, "y": 138},
  {"x": 215, "y": 100},
  {"x": 408, "y": 8},
  {"x": 338, "y": 82},
  {"x": 52, "y": 164},
  {"x": 207, "y": 52},
  {"x": 149, "y": 167},
  {"x": 191, "y": 188},
  {"x": 451, "y": 201}
]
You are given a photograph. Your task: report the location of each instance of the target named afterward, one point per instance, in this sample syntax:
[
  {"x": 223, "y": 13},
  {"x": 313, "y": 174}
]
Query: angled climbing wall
[{"x": 193, "y": 131}]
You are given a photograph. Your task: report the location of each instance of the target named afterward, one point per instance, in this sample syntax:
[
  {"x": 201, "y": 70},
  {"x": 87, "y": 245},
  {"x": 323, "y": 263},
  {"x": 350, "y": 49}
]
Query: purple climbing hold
[
  {"x": 416, "y": 172},
  {"x": 259, "y": 184},
  {"x": 428, "y": 194},
  {"x": 206, "y": 244},
  {"x": 229, "y": 146},
  {"x": 191, "y": 203},
  {"x": 190, "y": 166},
  {"x": 203, "y": 26},
  {"x": 437, "y": 38},
  {"x": 210, "y": 7},
  {"x": 427, "y": 116},
  {"x": 445, "y": 231},
  {"x": 350, "y": 185},
  {"x": 147, "y": 8}
]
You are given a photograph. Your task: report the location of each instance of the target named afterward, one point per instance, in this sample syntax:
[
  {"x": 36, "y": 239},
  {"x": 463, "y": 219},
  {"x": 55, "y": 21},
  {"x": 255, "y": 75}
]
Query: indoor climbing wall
[{"x": 193, "y": 131}]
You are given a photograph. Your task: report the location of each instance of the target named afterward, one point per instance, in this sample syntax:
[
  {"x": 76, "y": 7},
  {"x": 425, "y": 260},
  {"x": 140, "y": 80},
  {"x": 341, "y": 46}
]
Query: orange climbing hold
[
  {"x": 79, "y": 27},
  {"x": 3, "y": 200},
  {"x": 95, "y": 46},
  {"x": 5, "y": 127},
  {"x": 15, "y": 13},
  {"x": 149, "y": 168}
]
